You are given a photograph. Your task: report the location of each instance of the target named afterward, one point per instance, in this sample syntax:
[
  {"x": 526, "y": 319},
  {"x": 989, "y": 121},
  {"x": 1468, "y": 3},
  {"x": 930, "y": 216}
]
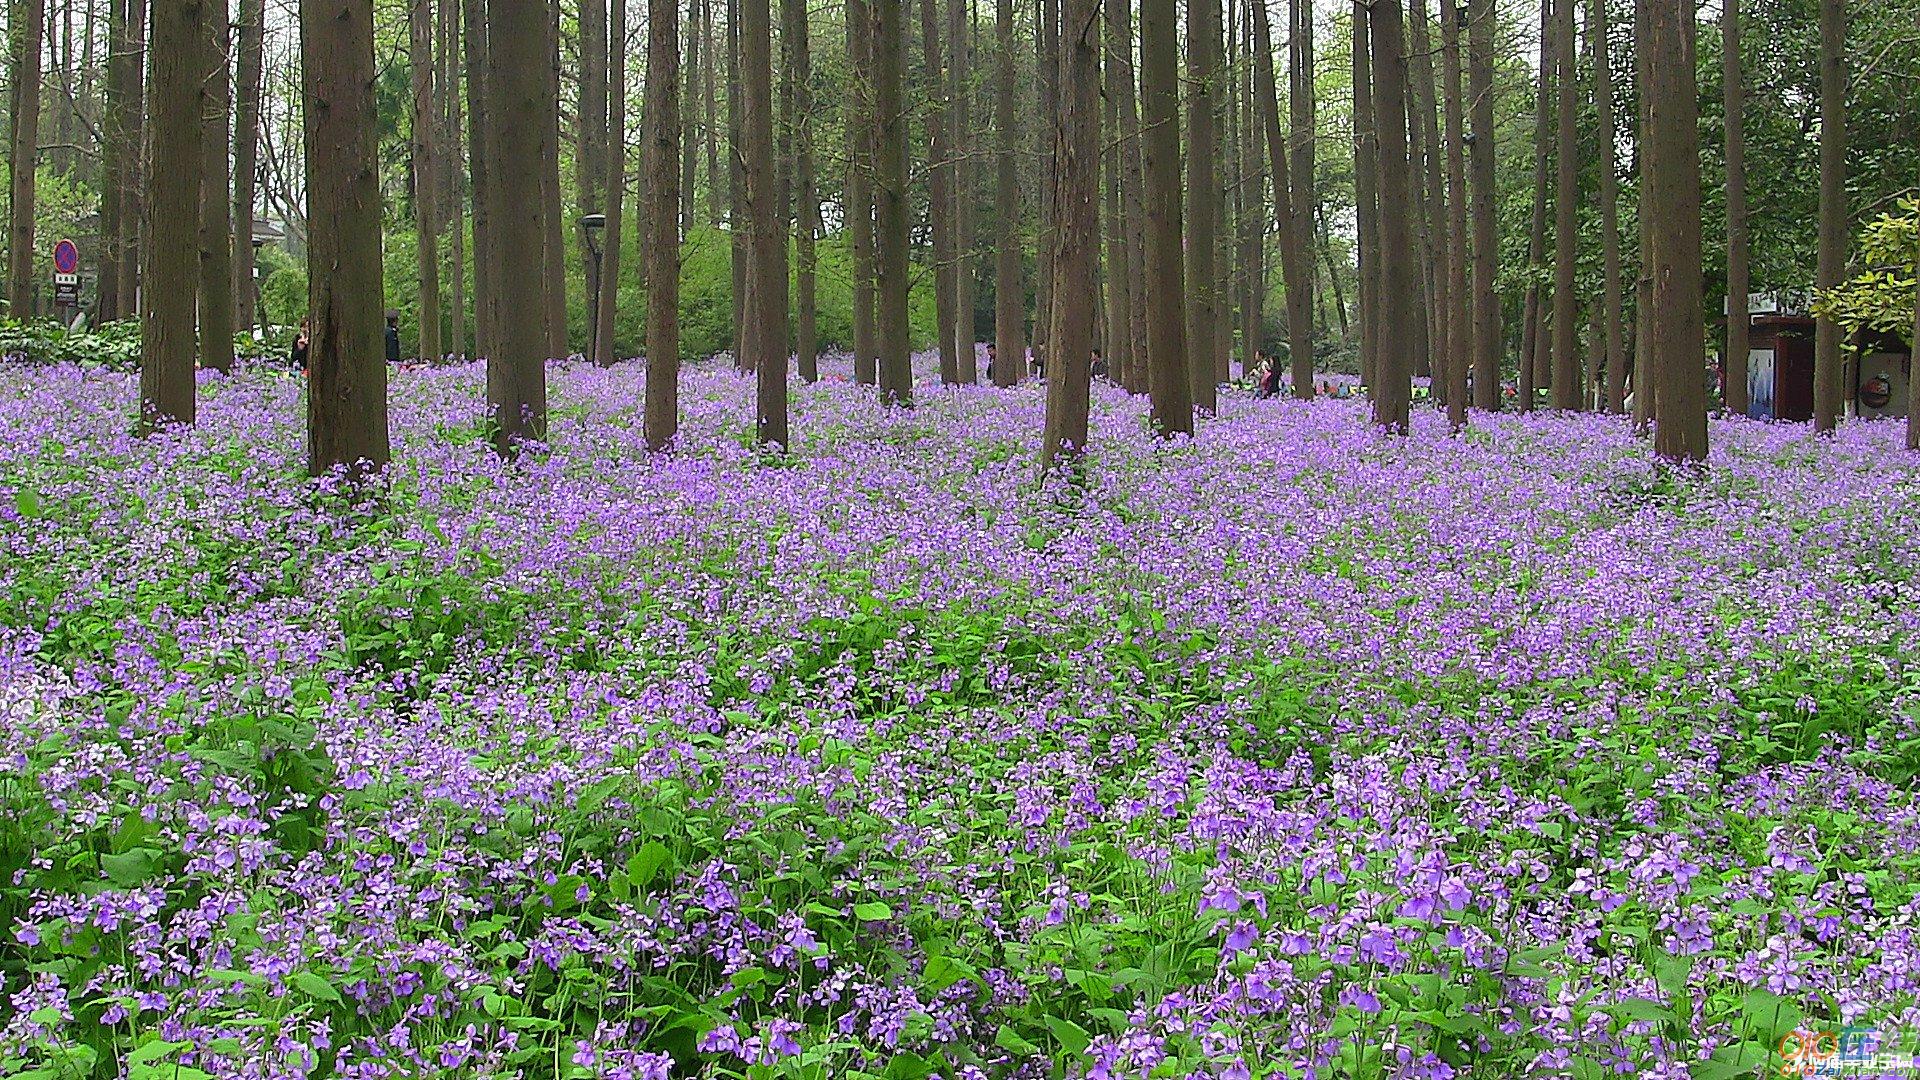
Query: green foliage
[
  {"x": 47, "y": 341},
  {"x": 1880, "y": 298}
]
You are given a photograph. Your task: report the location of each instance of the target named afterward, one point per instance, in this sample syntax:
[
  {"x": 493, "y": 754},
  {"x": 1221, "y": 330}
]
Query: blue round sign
[{"x": 66, "y": 257}]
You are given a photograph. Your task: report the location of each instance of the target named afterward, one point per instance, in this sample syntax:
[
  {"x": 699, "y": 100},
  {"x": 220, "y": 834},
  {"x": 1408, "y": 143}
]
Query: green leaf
[
  {"x": 1072, "y": 1037},
  {"x": 872, "y": 912},
  {"x": 647, "y": 863},
  {"x": 1009, "y": 1040},
  {"x": 1632, "y": 1009},
  {"x": 154, "y": 1051},
  {"x": 27, "y": 503},
  {"x": 1729, "y": 1062},
  {"x": 314, "y": 986},
  {"x": 131, "y": 868},
  {"x": 1769, "y": 1014},
  {"x": 943, "y": 971}
]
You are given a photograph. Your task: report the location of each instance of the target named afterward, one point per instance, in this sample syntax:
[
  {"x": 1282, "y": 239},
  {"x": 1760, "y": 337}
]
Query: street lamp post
[{"x": 590, "y": 227}]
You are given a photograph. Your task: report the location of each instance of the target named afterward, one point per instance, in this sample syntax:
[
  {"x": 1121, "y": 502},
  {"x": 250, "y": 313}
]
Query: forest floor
[{"x": 1295, "y": 750}]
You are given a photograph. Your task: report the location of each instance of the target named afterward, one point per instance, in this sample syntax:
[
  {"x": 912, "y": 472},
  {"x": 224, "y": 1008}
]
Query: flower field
[{"x": 1293, "y": 751}]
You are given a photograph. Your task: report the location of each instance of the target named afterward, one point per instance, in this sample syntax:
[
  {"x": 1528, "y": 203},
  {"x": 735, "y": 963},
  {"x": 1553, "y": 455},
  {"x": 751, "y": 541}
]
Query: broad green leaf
[{"x": 314, "y": 986}]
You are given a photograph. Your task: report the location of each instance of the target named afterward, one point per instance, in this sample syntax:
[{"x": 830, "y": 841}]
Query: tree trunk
[
  {"x": 1531, "y": 346},
  {"x": 133, "y": 191},
  {"x": 739, "y": 222},
  {"x": 960, "y": 91},
  {"x": 553, "y": 212},
  {"x": 690, "y": 132},
  {"x": 807, "y": 225},
  {"x": 426, "y": 175},
  {"x": 216, "y": 212},
  {"x": 178, "y": 93},
  {"x": 1567, "y": 384},
  {"x": 1119, "y": 328},
  {"x": 940, "y": 194},
  {"x": 767, "y": 270},
  {"x": 246, "y": 150},
  {"x": 1459, "y": 303},
  {"x": 1738, "y": 274},
  {"x": 662, "y": 215},
  {"x": 480, "y": 158},
  {"x": 1365, "y": 181},
  {"x": 1295, "y": 267},
  {"x": 1203, "y": 191},
  {"x": 1397, "y": 302},
  {"x": 1167, "y": 355},
  {"x": 1832, "y": 255},
  {"x": 607, "y": 280},
  {"x": 1304, "y": 198},
  {"x": 717, "y": 193},
  {"x": 1612, "y": 298},
  {"x": 1670, "y": 181},
  {"x": 891, "y": 209},
  {"x": 115, "y": 148},
  {"x": 591, "y": 142},
  {"x": 1253, "y": 233},
  {"x": 347, "y": 388},
  {"x": 519, "y": 94},
  {"x": 1010, "y": 332},
  {"x": 1133, "y": 209},
  {"x": 453, "y": 207},
  {"x": 1487, "y": 333},
  {"x": 859, "y": 191},
  {"x": 1046, "y": 39},
  {"x": 1076, "y": 238},
  {"x": 1424, "y": 134},
  {"x": 29, "y": 31}
]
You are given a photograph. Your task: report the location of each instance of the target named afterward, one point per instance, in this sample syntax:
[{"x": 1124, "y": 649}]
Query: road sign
[
  {"x": 66, "y": 257},
  {"x": 66, "y": 289}
]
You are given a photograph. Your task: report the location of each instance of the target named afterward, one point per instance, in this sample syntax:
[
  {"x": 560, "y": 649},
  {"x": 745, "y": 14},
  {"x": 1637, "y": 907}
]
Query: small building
[{"x": 1779, "y": 357}]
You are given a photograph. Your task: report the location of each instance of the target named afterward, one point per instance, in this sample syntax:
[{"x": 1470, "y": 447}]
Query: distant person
[
  {"x": 1269, "y": 378},
  {"x": 1039, "y": 354},
  {"x": 297, "y": 359},
  {"x": 991, "y": 354},
  {"x": 393, "y": 337},
  {"x": 1098, "y": 368}
]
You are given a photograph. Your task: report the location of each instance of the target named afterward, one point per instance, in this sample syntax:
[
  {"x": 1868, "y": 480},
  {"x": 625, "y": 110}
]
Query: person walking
[
  {"x": 393, "y": 337},
  {"x": 297, "y": 358}
]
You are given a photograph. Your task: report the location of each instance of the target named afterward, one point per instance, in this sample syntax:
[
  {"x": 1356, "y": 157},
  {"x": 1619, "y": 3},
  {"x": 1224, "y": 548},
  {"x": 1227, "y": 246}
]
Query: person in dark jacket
[
  {"x": 393, "y": 337},
  {"x": 1270, "y": 379},
  {"x": 297, "y": 359}
]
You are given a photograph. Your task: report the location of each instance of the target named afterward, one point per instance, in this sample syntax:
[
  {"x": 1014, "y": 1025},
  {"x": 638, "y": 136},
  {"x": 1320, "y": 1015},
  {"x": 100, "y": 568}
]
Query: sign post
[{"x": 66, "y": 273}]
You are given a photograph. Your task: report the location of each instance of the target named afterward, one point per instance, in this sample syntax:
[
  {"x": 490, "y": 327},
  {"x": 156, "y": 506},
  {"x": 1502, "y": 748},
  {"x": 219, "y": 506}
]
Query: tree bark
[
  {"x": 767, "y": 270},
  {"x": 1738, "y": 274},
  {"x": 1133, "y": 210},
  {"x": 960, "y": 91},
  {"x": 1046, "y": 40},
  {"x": 134, "y": 165},
  {"x": 1567, "y": 384},
  {"x": 1076, "y": 240},
  {"x": 591, "y": 137},
  {"x": 807, "y": 225},
  {"x": 216, "y": 211},
  {"x": 1437, "y": 358},
  {"x": 859, "y": 191},
  {"x": 1203, "y": 193},
  {"x": 716, "y": 192},
  {"x": 246, "y": 152},
  {"x": 1010, "y": 332},
  {"x": 178, "y": 93},
  {"x": 553, "y": 206},
  {"x": 690, "y": 132},
  {"x": 1530, "y": 344},
  {"x": 426, "y": 177},
  {"x": 607, "y": 280},
  {"x": 1830, "y": 262},
  {"x": 28, "y": 32},
  {"x": 1671, "y": 186},
  {"x": 1304, "y": 199},
  {"x": 1366, "y": 197},
  {"x": 480, "y": 156},
  {"x": 1119, "y": 328},
  {"x": 662, "y": 216},
  {"x": 1253, "y": 232},
  {"x": 940, "y": 194},
  {"x": 347, "y": 388},
  {"x": 452, "y": 206},
  {"x": 1167, "y": 355},
  {"x": 1296, "y": 269},
  {"x": 115, "y": 147},
  {"x": 891, "y": 209},
  {"x": 519, "y": 93},
  {"x": 1487, "y": 333},
  {"x": 1612, "y": 298},
  {"x": 1397, "y": 301},
  {"x": 739, "y": 221},
  {"x": 1459, "y": 303}
]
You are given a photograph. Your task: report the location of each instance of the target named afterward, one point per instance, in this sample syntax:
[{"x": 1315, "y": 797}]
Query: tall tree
[
  {"x": 1133, "y": 211},
  {"x": 1670, "y": 186},
  {"x": 216, "y": 211},
  {"x": 859, "y": 192},
  {"x": 1166, "y": 307},
  {"x": 1252, "y": 172},
  {"x": 940, "y": 193},
  {"x": 347, "y": 388},
  {"x": 1366, "y": 195},
  {"x": 1459, "y": 303},
  {"x": 960, "y": 91},
  {"x": 1203, "y": 193},
  {"x": 1612, "y": 299},
  {"x": 767, "y": 270},
  {"x": 29, "y": 32},
  {"x": 807, "y": 225},
  {"x": 1296, "y": 267},
  {"x": 553, "y": 237},
  {"x": 519, "y": 90},
  {"x": 1010, "y": 332},
  {"x": 717, "y": 193},
  {"x": 592, "y": 134},
  {"x": 178, "y": 93},
  {"x": 246, "y": 154},
  {"x": 890, "y": 197},
  {"x": 133, "y": 188},
  {"x": 739, "y": 225},
  {"x": 1424, "y": 133},
  {"x": 607, "y": 281},
  {"x": 116, "y": 145},
  {"x": 1568, "y": 389},
  {"x": 1530, "y": 344},
  {"x": 690, "y": 134},
  {"x": 1831, "y": 258},
  {"x": 1486, "y": 240},
  {"x": 1046, "y": 45},
  {"x": 1398, "y": 300},
  {"x": 1076, "y": 238},
  {"x": 426, "y": 173},
  {"x": 1301, "y": 205},
  {"x": 453, "y": 198},
  {"x": 662, "y": 214},
  {"x": 1119, "y": 329},
  {"x": 480, "y": 157},
  {"x": 1738, "y": 273}
]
